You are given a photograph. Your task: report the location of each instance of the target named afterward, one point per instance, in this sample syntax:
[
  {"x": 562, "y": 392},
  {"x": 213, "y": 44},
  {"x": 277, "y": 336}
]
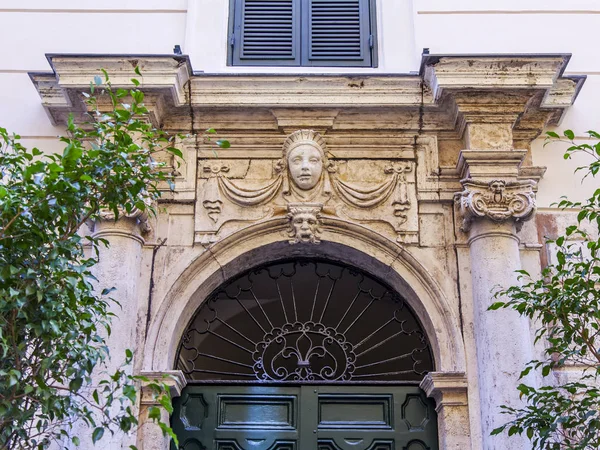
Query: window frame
[{"x": 301, "y": 58}]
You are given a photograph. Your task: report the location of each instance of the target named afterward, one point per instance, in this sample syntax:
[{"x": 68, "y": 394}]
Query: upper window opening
[{"x": 302, "y": 33}]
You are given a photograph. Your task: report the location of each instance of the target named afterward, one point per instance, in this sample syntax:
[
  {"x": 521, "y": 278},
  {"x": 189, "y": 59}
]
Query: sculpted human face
[
  {"x": 305, "y": 165},
  {"x": 304, "y": 224}
]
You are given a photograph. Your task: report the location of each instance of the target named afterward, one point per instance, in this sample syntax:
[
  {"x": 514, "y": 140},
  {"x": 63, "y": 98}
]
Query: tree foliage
[
  {"x": 52, "y": 320},
  {"x": 565, "y": 306}
]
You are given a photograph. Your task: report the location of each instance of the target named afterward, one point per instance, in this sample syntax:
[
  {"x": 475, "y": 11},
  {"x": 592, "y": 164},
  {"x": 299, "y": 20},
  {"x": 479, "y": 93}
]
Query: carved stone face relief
[
  {"x": 310, "y": 184},
  {"x": 305, "y": 164},
  {"x": 304, "y": 223}
]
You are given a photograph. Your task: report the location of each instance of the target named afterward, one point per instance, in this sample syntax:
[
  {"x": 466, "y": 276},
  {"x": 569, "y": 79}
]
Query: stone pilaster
[
  {"x": 492, "y": 211},
  {"x": 149, "y": 435},
  {"x": 449, "y": 390}
]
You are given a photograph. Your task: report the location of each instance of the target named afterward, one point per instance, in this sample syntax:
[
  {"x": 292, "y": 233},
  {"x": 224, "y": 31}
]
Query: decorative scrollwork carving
[
  {"x": 497, "y": 200},
  {"x": 141, "y": 217}
]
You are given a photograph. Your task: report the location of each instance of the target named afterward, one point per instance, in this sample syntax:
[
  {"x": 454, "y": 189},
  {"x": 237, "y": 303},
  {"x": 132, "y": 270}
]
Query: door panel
[
  {"x": 375, "y": 418},
  {"x": 305, "y": 418}
]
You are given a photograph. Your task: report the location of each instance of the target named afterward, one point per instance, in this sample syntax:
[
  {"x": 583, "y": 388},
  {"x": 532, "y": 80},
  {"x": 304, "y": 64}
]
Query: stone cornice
[
  {"x": 493, "y": 72},
  {"x": 493, "y": 76},
  {"x": 361, "y": 116},
  {"x": 165, "y": 81},
  {"x": 159, "y": 73}
]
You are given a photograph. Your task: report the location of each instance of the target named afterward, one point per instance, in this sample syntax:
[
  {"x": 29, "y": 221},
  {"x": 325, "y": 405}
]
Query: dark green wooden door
[{"x": 309, "y": 417}]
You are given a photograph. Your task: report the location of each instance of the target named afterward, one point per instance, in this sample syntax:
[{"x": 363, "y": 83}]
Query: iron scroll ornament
[{"x": 304, "y": 321}]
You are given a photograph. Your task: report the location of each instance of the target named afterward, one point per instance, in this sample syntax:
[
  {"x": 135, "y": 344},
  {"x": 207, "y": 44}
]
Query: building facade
[{"x": 324, "y": 282}]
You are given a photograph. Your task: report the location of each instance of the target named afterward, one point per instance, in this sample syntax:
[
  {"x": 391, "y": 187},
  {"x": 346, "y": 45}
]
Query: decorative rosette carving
[{"x": 497, "y": 200}]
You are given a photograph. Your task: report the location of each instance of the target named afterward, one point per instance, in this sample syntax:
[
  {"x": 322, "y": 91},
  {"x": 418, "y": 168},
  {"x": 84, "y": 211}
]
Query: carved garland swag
[{"x": 305, "y": 176}]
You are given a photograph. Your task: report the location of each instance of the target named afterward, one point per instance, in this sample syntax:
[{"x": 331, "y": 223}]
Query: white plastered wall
[{"x": 32, "y": 28}]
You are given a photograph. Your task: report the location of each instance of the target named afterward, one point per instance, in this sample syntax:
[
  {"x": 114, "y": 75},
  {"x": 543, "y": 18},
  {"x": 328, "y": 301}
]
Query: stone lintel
[
  {"x": 306, "y": 91},
  {"x": 172, "y": 378}
]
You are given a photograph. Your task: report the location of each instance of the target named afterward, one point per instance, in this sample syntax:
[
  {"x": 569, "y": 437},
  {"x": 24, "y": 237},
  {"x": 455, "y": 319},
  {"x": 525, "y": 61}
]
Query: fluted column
[{"x": 492, "y": 211}]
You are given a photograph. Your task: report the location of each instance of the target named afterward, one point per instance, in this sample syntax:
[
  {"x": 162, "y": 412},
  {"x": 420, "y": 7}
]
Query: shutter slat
[
  {"x": 268, "y": 30},
  {"x": 335, "y": 30}
]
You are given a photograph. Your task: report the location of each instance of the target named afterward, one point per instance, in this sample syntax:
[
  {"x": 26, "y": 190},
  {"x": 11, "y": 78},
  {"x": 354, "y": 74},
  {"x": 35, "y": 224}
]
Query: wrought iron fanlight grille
[{"x": 304, "y": 321}]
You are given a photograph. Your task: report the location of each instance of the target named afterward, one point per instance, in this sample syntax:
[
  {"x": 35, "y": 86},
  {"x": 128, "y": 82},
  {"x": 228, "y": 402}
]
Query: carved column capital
[
  {"x": 139, "y": 216},
  {"x": 497, "y": 200},
  {"x": 135, "y": 224}
]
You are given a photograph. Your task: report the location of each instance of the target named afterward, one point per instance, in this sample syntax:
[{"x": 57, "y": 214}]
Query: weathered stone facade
[{"x": 423, "y": 180}]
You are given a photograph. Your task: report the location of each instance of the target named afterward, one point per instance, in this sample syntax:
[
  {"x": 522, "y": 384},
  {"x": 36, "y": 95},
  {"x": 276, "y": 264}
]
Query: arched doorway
[{"x": 304, "y": 354}]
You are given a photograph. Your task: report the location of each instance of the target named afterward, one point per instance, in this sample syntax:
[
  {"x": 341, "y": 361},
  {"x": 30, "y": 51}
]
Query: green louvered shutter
[
  {"x": 337, "y": 33},
  {"x": 266, "y": 32},
  {"x": 302, "y": 33}
]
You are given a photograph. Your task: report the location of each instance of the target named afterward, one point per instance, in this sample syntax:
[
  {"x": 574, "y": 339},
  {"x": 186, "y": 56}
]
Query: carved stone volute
[{"x": 135, "y": 224}]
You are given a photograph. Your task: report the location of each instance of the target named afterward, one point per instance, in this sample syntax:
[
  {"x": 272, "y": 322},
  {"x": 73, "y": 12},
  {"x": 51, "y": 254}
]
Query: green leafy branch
[
  {"x": 565, "y": 305},
  {"x": 53, "y": 322}
]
